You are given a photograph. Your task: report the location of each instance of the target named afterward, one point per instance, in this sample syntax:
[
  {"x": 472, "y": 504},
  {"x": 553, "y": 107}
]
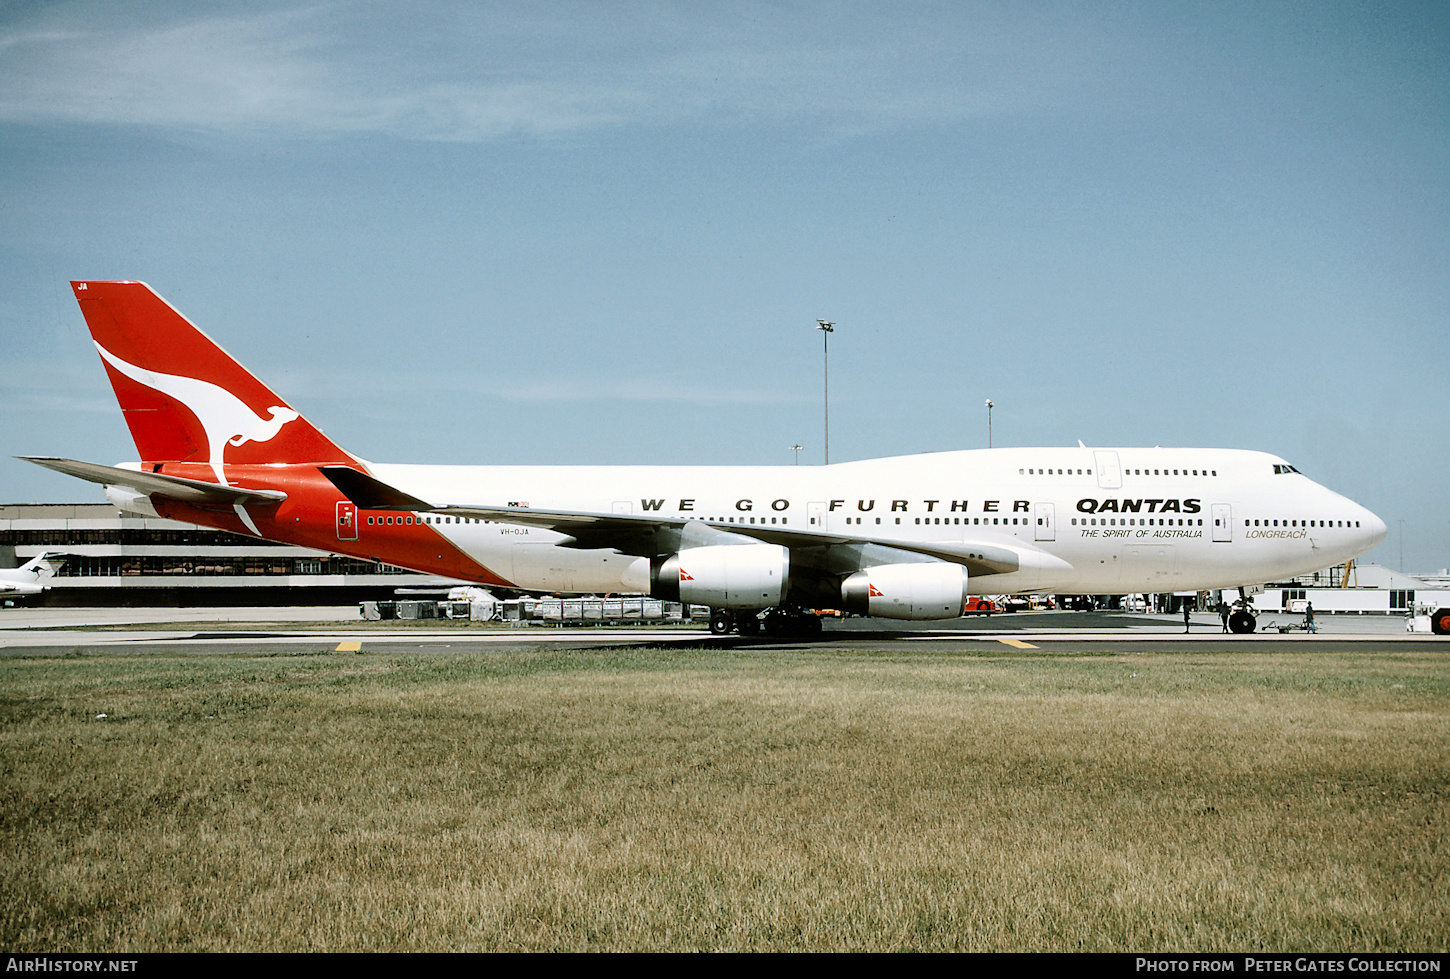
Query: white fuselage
[{"x": 1099, "y": 521}]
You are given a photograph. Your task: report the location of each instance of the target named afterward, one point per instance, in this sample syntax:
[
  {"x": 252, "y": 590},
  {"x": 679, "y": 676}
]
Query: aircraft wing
[
  {"x": 649, "y": 535},
  {"x": 157, "y": 484}
]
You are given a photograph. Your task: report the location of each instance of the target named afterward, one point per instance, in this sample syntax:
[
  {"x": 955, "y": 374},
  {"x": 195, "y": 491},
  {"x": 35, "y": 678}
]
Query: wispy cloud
[
  {"x": 469, "y": 386},
  {"x": 467, "y": 74},
  {"x": 646, "y": 388},
  {"x": 277, "y": 72}
]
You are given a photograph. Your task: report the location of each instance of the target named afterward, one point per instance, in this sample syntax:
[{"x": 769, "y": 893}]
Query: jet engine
[
  {"x": 935, "y": 590},
  {"x": 723, "y": 576}
]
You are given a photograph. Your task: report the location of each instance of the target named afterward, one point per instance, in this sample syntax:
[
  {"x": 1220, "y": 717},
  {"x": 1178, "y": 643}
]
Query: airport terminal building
[
  {"x": 1368, "y": 589},
  {"x": 125, "y": 560}
]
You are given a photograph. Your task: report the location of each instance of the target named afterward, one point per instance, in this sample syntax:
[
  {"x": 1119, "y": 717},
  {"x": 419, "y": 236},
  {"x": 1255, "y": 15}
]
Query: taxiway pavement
[{"x": 49, "y": 632}]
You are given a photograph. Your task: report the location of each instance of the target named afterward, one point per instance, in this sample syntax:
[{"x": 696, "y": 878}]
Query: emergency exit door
[
  {"x": 346, "y": 520},
  {"x": 1223, "y": 530},
  {"x": 1046, "y": 527}
]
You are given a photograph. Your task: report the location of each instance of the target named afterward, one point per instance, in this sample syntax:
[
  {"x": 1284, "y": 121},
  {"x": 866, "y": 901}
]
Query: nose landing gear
[{"x": 1242, "y": 620}]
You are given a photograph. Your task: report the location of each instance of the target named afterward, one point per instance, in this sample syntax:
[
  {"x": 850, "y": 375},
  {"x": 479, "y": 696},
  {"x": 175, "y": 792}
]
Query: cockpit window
[{"x": 1280, "y": 467}]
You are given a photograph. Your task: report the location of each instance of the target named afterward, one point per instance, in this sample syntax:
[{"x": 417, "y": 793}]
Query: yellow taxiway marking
[
  {"x": 348, "y": 647},
  {"x": 1018, "y": 643}
]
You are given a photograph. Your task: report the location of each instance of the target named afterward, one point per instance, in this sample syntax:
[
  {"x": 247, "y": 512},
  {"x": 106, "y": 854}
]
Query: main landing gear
[
  {"x": 781, "y": 622},
  {"x": 1242, "y": 620}
]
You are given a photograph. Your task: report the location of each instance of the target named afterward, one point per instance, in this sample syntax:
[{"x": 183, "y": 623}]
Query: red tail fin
[{"x": 185, "y": 399}]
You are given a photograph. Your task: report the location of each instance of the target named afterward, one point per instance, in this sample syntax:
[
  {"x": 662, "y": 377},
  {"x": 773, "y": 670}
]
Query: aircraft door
[
  {"x": 1110, "y": 470},
  {"x": 1223, "y": 523},
  {"x": 815, "y": 516},
  {"x": 1046, "y": 528},
  {"x": 346, "y": 520}
]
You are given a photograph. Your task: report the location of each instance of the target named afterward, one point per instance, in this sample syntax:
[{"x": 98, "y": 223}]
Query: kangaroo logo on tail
[{"x": 225, "y": 418}]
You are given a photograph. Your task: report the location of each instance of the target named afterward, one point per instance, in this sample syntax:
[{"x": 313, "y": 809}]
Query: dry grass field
[{"x": 713, "y": 800}]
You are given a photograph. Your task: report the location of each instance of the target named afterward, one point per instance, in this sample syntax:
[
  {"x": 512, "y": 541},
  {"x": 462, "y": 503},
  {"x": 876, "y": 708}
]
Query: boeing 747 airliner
[{"x": 901, "y": 538}]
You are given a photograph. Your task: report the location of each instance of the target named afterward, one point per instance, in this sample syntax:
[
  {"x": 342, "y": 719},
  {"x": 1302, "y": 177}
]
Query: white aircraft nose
[{"x": 1375, "y": 529}]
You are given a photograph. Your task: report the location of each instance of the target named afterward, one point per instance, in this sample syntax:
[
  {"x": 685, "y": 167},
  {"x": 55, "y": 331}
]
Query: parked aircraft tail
[
  {"x": 185, "y": 399},
  {"x": 44, "y": 565},
  {"x": 31, "y": 577}
]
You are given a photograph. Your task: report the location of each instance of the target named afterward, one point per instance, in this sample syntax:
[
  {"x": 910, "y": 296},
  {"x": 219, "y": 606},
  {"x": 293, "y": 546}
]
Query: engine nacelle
[
  {"x": 723, "y": 576},
  {"x": 127, "y": 500},
  {"x": 935, "y": 590}
]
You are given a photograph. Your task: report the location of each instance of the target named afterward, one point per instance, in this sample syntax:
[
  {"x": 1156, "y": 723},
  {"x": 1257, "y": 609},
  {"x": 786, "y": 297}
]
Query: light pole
[
  {"x": 990, "y": 406},
  {"x": 797, "y": 450},
  {"x": 827, "y": 328}
]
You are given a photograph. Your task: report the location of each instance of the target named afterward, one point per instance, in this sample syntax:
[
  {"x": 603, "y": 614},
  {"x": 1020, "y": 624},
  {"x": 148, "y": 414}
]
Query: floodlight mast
[{"x": 827, "y": 328}]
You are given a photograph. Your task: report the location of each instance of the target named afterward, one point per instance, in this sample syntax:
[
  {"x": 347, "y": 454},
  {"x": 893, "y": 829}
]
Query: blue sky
[{"x": 603, "y": 232}]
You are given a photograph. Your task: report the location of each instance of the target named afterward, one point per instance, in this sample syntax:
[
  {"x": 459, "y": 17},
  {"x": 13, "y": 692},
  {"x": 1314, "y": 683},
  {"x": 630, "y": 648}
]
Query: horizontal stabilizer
[{"x": 157, "y": 484}]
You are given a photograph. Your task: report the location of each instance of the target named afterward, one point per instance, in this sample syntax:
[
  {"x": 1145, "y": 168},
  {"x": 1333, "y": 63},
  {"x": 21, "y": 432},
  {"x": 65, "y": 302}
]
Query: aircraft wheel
[
  {"x": 778, "y": 622},
  {"x": 813, "y": 625},
  {"x": 1242, "y": 622},
  {"x": 1440, "y": 622},
  {"x": 748, "y": 624},
  {"x": 721, "y": 622}
]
